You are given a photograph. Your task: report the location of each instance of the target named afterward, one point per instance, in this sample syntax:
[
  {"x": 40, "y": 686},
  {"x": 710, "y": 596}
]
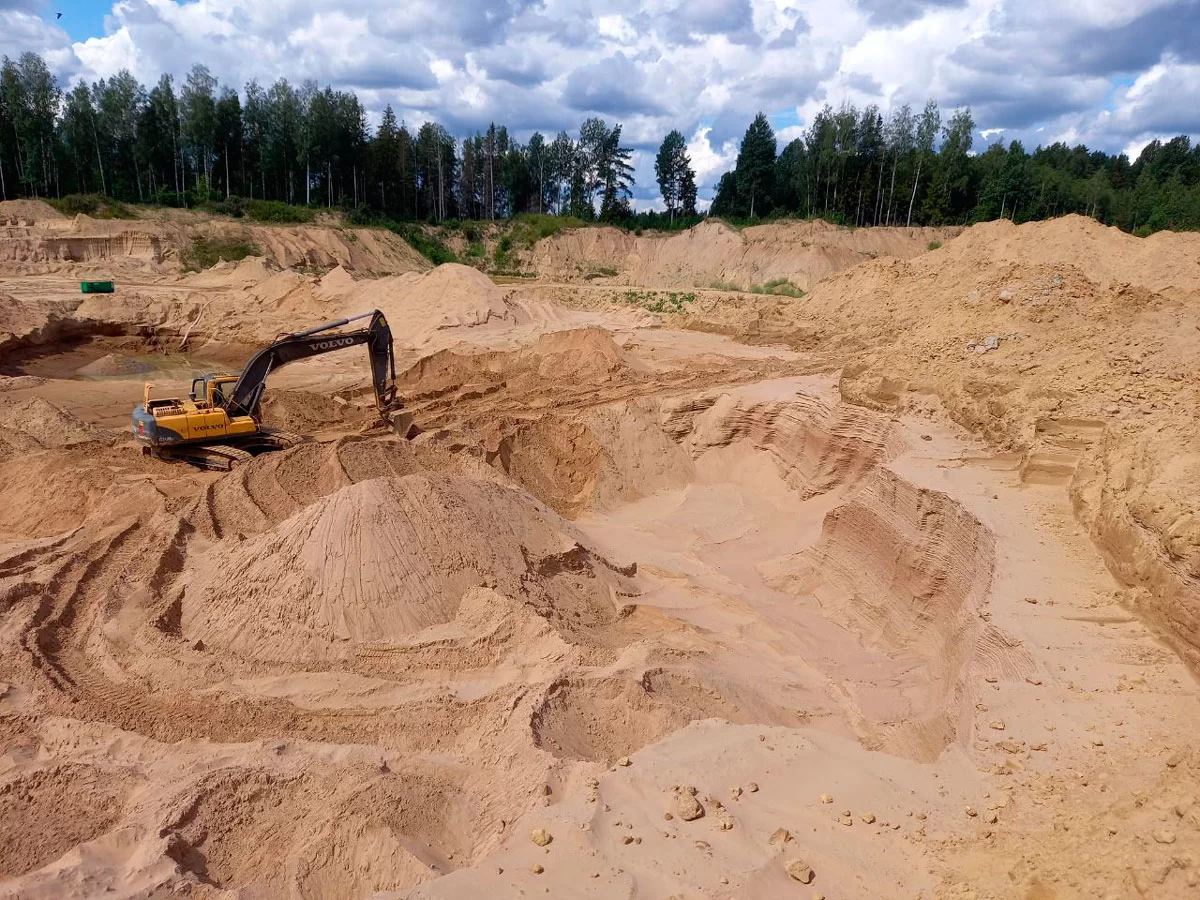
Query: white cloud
[
  {"x": 708, "y": 161},
  {"x": 1031, "y": 69}
]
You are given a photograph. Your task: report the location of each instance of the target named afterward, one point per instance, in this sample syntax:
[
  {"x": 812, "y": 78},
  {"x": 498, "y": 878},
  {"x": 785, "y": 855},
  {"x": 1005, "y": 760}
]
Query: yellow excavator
[{"x": 218, "y": 425}]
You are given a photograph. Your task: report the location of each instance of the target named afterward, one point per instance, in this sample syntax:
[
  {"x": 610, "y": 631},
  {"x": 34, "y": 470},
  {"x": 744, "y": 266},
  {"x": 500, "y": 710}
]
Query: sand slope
[{"x": 713, "y": 252}]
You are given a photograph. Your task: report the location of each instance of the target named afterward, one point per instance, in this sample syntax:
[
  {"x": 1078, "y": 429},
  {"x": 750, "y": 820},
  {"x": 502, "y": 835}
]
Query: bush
[
  {"x": 207, "y": 252},
  {"x": 93, "y": 205},
  {"x": 659, "y": 301},
  {"x": 231, "y": 207},
  {"x": 429, "y": 246},
  {"x": 475, "y": 250},
  {"x": 364, "y": 216},
  {"x": 529, "y": 228},
  {"x": 780, "y": 286},
  {"x": 274, "y": 212},
  {"x": 934, "y": 245},
  {"x": 174, "y": 199}
]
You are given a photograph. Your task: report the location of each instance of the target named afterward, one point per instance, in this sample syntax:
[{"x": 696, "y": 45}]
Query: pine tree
[
  {"x": 673, "y": 168},
  {"x": 687, "y": 192},
  {"x": 756, "y": 166}
]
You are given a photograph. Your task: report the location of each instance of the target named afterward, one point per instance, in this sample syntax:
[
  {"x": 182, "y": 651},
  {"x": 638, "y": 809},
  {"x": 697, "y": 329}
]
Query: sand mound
[
  {"x": 36, "y": 424},
  {"x": 418, "y": 306},
  {"x": 307, "y": 412},
  {"x": 713, "y": 254},
  {"x": 275, "y": 486},
  {"x": 587, "y": 352},
  {"x": 159, "y": 241},
  {"x": 1166, "y": 262},
  {"x": 27, "y": 212},
  {"x": 379, "y": 560},
  {"x": 115, "y": 364},
  {"x": 243, "y": 273},
  {"x": 33, "y": 321},
  {"x": 606, "y": 718},
  {"x": 335, "y": 282}
]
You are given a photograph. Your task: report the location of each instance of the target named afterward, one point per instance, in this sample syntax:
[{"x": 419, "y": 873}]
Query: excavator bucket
[{"x": 401, "y": 422}]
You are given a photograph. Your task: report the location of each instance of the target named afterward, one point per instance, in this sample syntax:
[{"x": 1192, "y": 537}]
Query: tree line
[
  {"x": 300, "y": 144},
  {"x": 203, "y": 142},
  {"x": 859, "y": 167}
]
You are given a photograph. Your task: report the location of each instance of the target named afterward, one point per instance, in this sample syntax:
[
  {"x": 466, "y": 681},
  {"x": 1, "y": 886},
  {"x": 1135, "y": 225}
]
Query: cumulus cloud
[
  {"x": 23, "y": 30},
  {"x": 1110, "y": 74}
]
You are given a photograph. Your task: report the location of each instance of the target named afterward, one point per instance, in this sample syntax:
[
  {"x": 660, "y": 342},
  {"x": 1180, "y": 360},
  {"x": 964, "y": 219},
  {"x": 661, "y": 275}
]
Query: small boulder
[
  {"x": 541, "y": 837},
  {"x": 799, "y": 870},
  {"x": 687, "y": 807}
]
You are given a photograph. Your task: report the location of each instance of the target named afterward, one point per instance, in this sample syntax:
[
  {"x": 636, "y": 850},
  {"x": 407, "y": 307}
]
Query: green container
[{"x": 96, "y": 287}]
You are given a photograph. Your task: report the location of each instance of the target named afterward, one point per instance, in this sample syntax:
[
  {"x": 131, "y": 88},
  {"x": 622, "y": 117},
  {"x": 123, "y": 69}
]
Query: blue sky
[
  {"x": 81, "y": 19},
  {"x": 1112, "y": 74}
]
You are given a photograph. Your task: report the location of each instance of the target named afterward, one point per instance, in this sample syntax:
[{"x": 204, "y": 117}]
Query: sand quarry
[{"x": 892, "y": 590}]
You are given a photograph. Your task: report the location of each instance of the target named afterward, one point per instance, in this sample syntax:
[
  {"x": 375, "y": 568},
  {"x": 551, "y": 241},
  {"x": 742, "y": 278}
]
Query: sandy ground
[{"x": 763, "y": 598}]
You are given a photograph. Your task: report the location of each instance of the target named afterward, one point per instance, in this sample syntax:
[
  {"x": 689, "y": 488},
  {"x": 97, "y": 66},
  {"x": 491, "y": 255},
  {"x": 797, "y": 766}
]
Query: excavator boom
[{"x": 247, "y": 393}]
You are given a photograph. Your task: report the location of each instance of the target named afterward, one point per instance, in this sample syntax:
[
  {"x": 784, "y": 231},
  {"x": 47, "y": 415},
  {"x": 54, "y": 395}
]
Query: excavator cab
[
  {"x": 218, "y": 424},
  {"x": 210, "y": 390}
]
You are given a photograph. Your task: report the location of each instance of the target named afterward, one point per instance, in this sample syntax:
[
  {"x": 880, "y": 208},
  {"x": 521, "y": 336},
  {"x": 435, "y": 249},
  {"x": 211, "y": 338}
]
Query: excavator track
[
  {"x": 281, "y": 440},
  {"x": 214, "y": 457}
]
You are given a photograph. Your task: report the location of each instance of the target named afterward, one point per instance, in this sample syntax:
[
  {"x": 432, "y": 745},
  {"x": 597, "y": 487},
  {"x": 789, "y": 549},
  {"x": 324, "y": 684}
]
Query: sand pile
[
  {"x": 583, "y": 351},
  {"x": 419, "y": 305},
  {"x": 334, "y": 282},
  {"x": 365, "y": 251},
  {"x": 713, "y": 254},
  {"x": 1166, "y": 262},
  {"x": 114, "y": 364},
  {"x": 28, "y": 425},
  {"x": 27, "y": 212},
  {"x": 243, "y": 273},
  {"x": 32, "y": 321},
  {"x": 910, "y": 570},
  {"x": 377, "y": 561}
]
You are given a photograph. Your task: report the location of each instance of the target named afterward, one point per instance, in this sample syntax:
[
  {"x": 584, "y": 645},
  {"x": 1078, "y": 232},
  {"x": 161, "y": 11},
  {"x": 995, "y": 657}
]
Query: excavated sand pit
[{"x": 617, "y": 565}]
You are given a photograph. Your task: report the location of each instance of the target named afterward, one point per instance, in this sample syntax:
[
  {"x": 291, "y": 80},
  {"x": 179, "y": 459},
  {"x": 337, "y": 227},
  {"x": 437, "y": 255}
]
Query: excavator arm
[{"x": 246, "y": 395}]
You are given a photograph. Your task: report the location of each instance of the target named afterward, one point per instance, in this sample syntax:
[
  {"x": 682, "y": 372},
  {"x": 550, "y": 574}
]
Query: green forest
[{"x": 203, "y": 143}]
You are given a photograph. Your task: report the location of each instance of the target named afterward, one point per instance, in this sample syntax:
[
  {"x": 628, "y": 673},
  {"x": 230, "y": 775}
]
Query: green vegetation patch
[
  {"x": 207, "y": 252},
  {"x": 600, "y": 272},
  {"x": 93, "y": 205},
  {"x": 428, "y": 245},
  {"x": 780, "y": 286},
  {"x": 529, "y": 228},
  {"x": 274, "y": 212},
  {"x": 659, "y": 301},
  {"x": 934, "y": 245}
]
